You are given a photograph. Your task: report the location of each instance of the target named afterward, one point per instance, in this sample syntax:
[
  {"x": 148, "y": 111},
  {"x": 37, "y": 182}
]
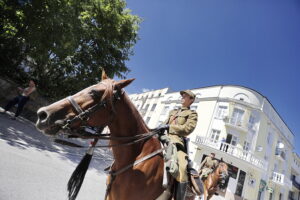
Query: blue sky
[{"x": 196, "y": 43}]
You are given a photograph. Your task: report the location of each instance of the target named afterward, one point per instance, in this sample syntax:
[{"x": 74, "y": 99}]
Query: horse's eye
[{"x": 94, "y": 94}]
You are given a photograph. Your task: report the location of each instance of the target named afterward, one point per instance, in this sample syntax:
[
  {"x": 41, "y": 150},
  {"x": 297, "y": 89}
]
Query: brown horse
[
  {"x": 142, "y": 181},
  {"x": 212, "y": 181}
]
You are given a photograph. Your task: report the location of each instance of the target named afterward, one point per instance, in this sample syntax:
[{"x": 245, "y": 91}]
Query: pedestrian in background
[{"x": 21, "y": 99}]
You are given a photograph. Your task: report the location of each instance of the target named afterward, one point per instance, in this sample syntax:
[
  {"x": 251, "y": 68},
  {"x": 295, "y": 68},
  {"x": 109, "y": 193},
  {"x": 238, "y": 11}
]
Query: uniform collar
[{"x": 185, "y": 108}]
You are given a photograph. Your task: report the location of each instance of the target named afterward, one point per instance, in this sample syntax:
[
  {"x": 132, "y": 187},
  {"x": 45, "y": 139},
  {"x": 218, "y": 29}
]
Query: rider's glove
[{"x": 164, "y": 127}]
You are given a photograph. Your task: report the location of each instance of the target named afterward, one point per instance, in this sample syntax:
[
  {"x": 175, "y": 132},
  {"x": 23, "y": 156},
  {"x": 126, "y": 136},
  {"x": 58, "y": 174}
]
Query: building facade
[{"x": 242, "y": 127}]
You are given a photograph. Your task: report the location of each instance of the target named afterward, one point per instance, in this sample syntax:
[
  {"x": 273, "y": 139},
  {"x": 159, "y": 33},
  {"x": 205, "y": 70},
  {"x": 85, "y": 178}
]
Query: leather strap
[{"x": 75, "y": 104}]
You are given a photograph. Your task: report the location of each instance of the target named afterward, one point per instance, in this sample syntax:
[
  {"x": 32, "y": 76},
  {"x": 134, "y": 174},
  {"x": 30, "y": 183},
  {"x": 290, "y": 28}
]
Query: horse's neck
[
  {"x": 127, "y": 122},
  {"x": 215, "y": 176}
]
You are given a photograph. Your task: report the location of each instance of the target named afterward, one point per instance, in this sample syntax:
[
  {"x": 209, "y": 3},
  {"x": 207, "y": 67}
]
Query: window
[
  {"x": 165, "y": 110},
  {"x": 246, "y": 146},
  {"x": 275, "y": 167},
  {"x": 271, "y": 196},
  {"x": 251, "y": 121},
  {"x": 153, "y": 107},
  {"x": 147, "y": 120},
  {"x": 269, "y": 138},
  {"x": 237, "y": 117},
  {"x": 221, "y": 112},
  {"x": 234, "y": 140},
  {"x": 280, "y": 196},
  {"x": 240, "y": 183},
  {"x": 146, "y": 107},
  {"x": 214, "y": 135}
]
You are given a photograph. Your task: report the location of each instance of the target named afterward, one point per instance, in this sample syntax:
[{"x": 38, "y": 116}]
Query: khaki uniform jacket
[
  {"x": 182, "y": 122},
  {"x": 210, "y": 163}
]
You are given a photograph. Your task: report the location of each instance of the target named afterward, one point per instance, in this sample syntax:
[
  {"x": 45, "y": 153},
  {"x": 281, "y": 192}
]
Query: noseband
[{"x": 84, "y": 115}]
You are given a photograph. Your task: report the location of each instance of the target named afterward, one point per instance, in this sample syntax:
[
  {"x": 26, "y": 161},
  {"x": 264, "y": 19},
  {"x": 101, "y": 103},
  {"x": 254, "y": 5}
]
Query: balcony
[
  {"x": 234, "y": 151},
  {"x": 280, "y": 154},
  {"x": 239, "y": 124},
  {"x": 282, "y": 180},
  {"x": 233, "y": 123}
]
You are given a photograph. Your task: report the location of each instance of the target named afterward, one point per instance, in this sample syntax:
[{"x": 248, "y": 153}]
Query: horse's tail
[{"x": 77, "y": 177}]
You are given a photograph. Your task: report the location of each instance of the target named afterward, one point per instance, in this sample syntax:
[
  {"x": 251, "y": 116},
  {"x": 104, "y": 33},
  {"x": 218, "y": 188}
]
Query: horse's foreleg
[{"x": 205, "y": 194}]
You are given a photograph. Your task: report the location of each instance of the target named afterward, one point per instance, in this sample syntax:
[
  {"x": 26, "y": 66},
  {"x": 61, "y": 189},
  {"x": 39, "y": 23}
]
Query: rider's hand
[{"x": 164, "y": 127}]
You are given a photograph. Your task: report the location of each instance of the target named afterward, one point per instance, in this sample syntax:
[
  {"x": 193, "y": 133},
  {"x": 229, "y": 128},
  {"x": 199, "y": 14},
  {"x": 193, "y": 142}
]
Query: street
[{"x": 32, "y": 167}]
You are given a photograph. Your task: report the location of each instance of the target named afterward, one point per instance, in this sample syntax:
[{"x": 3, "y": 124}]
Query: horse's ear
[
  {"x": 103, "y": 76},
  {"x": 123, "y": 83}
]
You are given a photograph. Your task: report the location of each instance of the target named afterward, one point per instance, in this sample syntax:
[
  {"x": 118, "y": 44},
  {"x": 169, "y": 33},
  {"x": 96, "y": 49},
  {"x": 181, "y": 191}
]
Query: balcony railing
[
  {"x": 281, "y": 180},
  {"x": 233, "y": 151},
  {"x": 239, "y": 124}
]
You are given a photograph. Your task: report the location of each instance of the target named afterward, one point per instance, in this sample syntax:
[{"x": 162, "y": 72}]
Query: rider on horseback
[
  {"x": 180, "y": 123},
  {"x": 208, "y": 165}
]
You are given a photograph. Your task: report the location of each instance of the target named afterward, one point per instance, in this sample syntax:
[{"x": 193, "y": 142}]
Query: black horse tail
[{"x": 77, "y": 177}]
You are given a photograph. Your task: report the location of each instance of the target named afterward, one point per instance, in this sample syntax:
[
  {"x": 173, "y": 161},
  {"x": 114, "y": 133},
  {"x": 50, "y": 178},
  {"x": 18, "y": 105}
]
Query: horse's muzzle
[{"x": 43, "y": 122}]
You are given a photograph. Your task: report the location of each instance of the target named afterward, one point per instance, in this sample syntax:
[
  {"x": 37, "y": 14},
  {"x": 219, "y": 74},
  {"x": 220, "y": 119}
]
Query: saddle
[
  {"x": 195, "y": 182},
  {"x": 194, "y": 186}
]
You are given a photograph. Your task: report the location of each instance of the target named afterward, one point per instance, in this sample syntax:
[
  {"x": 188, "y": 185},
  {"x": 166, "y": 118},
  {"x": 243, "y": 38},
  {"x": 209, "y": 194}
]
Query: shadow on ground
[{"x": 21, "y": 133}]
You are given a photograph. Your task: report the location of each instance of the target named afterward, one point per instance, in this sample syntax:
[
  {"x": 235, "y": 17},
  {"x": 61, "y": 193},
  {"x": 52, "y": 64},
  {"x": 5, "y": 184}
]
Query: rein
[{"x": 136, "y": 139}]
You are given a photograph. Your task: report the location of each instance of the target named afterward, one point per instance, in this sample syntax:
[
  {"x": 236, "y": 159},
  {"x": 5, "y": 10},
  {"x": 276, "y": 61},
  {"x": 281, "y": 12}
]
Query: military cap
[{"x": 188, "y": 92}]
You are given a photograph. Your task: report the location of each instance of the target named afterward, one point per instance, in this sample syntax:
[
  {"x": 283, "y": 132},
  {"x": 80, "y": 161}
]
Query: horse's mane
[
  {"x": 215, "y": 169},
  {"x": 135, "y": 112},
  {"x": 108, "y": 93}
]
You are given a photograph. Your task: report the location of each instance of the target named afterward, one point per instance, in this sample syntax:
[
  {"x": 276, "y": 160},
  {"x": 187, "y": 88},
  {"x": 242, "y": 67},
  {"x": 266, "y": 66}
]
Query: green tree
[{"x": 64, "y": 43}]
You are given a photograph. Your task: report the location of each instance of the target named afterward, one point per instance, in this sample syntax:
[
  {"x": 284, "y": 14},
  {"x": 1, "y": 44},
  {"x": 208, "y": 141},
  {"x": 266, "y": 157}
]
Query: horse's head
[
  {"x": 92, "y": 106},
  {"x": 223, "y": 174},
  {"x": 222, "y": 169}
]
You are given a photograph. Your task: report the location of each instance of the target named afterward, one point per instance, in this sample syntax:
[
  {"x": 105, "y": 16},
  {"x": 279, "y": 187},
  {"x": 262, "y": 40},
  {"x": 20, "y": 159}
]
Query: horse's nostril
[{"x": 42, "y": 115}]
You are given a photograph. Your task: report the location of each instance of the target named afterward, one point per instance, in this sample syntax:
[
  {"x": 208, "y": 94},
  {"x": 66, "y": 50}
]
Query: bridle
[{"x": 84, "y": 115}]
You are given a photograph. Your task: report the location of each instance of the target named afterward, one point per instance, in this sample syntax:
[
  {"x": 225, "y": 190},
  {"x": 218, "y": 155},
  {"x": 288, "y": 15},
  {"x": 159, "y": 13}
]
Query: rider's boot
[{"x": 181, "y": 191}]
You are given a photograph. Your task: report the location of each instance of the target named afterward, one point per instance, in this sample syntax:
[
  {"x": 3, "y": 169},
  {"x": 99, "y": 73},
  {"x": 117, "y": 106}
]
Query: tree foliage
[{"x": 64, "y": 43}]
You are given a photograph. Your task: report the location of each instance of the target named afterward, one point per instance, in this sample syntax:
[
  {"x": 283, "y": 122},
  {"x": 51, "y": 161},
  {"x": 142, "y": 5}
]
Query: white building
[{"x": 242, "y": 127}]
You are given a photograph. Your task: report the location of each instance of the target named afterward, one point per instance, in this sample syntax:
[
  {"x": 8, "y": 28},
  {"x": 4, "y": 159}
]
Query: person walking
[
  {"x": 21, "y": 99},
  {"x": 180, "y": 123},
  {"x": 222, "y": 147}
]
